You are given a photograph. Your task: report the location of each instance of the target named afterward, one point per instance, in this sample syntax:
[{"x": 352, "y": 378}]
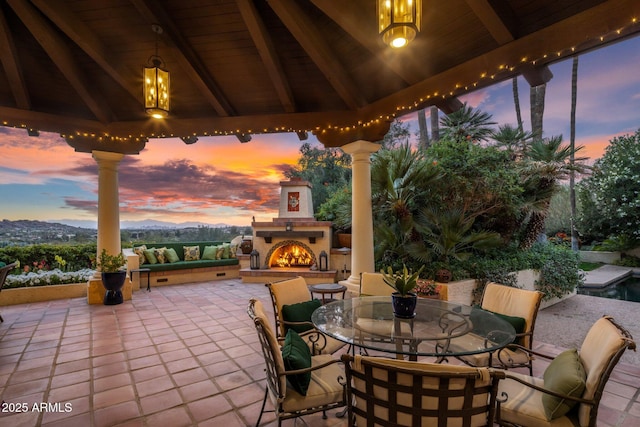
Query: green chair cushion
[
  {"x": 300, "y": 312},
  {"x": 565, "y": 374},
  {"x": 296, "y": 355},
  {"x": 171, "y": 255}
]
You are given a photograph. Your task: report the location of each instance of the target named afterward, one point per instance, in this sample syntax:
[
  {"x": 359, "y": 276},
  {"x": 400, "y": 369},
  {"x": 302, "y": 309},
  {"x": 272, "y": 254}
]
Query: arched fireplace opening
[{"x": 290, "y": 254}]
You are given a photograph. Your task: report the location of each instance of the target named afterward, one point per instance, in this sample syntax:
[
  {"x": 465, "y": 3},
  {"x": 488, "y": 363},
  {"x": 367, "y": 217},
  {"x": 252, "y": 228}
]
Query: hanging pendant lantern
[
  {"x": 156, "y": 83},
  {"x": 399, "y": 21}
]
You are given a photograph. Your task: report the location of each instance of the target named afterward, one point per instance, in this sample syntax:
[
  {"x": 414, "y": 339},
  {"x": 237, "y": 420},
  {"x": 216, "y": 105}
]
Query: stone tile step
[{"x": 606, "y": 275}]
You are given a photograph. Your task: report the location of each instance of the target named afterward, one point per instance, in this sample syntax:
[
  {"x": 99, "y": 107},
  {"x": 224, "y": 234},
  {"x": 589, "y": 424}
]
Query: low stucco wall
[
  {"x": 42, "y": 293},
  {"x": 600, "y": 256}
]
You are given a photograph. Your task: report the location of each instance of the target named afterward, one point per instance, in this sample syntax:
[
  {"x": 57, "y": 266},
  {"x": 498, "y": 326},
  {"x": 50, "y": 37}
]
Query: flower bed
[{"x": 47, "y": 278}]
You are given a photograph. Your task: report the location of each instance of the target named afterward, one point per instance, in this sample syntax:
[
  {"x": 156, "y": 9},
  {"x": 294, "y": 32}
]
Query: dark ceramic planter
[
  {"x": 404, "y": 307},
  {"x": 113, "y": 283}
]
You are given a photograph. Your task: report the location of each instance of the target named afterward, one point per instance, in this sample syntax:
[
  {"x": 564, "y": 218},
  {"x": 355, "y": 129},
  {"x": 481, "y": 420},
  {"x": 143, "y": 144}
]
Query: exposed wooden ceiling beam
[
  {"x": 559, "y": 37},
  {"x": 348, "y": 15},
  {"x": 59, "y": 53},
  {"x": 11, "y": 65},
  {"x": 267, "y": 52},
  {"x": 80, "y": 33},
  {"x": 492, "y": 22},
  {"x": 314, "y": 44},
  {"x": 185, "y": 55}
]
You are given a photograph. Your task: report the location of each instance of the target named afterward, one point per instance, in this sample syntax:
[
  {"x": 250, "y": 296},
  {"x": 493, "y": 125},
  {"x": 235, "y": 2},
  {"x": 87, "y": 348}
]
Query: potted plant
[
  {"x": 403, "y": 299},
  {"x": 113, "y": 276}
]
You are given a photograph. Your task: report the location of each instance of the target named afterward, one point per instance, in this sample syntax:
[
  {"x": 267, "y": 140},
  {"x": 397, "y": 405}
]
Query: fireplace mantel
[{"x": 268, "y": 235}]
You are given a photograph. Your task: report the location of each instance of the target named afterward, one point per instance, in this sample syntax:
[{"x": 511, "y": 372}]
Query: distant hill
[
  {"x": 142, "y": 224},
  {"x": 22, "y": 225}
]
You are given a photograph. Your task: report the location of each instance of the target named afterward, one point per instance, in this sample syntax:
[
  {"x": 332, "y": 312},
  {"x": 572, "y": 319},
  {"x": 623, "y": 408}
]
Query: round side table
[{"x": 329, "y": 289}]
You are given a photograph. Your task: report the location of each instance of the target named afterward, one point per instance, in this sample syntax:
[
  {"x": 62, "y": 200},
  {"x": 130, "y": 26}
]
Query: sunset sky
[{"x": 220, "y": 180}]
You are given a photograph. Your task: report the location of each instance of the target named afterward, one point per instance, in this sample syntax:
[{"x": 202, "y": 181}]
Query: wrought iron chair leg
[{"x": 264, "y": 402}]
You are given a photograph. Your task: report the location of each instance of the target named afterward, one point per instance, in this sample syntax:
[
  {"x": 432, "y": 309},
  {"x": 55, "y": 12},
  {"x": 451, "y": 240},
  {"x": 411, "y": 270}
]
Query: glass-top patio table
[{"x": 439, "y": 329}]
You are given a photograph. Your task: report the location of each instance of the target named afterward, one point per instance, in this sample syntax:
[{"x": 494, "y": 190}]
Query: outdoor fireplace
[{"x": 290, "y": 244}]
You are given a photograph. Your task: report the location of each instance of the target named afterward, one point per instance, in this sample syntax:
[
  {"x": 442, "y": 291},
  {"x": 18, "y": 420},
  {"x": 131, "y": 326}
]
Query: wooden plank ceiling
[{"x": 251, "y": 66}]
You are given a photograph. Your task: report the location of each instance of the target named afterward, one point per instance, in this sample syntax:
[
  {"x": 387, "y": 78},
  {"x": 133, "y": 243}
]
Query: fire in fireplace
[{"x": 291, "y": 254}]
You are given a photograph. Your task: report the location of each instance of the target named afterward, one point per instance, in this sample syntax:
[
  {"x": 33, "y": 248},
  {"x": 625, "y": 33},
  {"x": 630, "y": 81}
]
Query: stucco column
[
  {"x": 108, "y": 215},
  {"x": 361, "y": 211}
]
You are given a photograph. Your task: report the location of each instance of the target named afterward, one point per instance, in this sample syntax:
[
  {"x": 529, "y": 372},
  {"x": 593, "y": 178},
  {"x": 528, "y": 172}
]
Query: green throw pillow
[
  {"x": 296, "y": 355},
  {"x": 518, "y": 323},
  {"x": 565, "y": 374},
  {"x": 300, "y": 312},
  {"x": 171, "y": 255},
  {"x": 209, "y": 252},
  {"x": 150, "y": 256}
]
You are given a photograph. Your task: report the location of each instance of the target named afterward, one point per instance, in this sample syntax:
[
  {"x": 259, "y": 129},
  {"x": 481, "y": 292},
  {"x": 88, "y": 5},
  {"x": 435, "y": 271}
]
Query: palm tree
[
  {"x": 537, "y": 94},
  {"x": 516, "y": 101},
  {"x": 467, "y": 124},
  {"x": 450, "y": 236},
  {"x": 547, "y": 163},
  {"x": 435, "y": 128},
  {"x": 572, "y": 178},
  {"x": 515, "y": 140},
  {"x": 400, "y": 182}
]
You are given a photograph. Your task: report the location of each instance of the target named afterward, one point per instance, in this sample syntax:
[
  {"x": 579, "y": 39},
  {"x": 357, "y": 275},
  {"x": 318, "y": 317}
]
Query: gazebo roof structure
[{"x": 242, "y": 67}]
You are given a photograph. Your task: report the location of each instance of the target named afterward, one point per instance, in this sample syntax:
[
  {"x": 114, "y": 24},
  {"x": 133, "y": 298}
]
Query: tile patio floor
[{"x": 182, "y": 355}]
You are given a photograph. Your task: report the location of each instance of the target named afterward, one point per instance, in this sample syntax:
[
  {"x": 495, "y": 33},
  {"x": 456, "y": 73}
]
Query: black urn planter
[
  {"x": 113, "y": 283},
  {"x": 404, "y": 306}
]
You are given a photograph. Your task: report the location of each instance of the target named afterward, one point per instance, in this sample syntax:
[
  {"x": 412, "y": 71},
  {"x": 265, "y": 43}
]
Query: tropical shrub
[{"x": 610, "y": 197}]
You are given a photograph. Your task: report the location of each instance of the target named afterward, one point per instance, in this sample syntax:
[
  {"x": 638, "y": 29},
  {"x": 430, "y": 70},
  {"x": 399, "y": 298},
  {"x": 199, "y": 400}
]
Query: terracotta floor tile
[
  {"x": 160, "y": 401},
  {"x": 183, "y": 355}
]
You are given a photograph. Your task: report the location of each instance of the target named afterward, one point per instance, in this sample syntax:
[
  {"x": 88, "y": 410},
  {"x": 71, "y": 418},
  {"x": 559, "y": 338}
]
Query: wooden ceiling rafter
[
  {"x": 601, "y": 19},
  {"x": 11, "y": 65},
  {"x": 491, "y": 21},
  {"x": 189, "y": 60},
  {"x": 86, "y": 39},
  {"x": 349, "y": 17},
  {"x": 56, "y": 49},
  {"x": 268, "y": 53},
  {"x": 185, "y": 55},
  {"x": 308, "y": 36}
]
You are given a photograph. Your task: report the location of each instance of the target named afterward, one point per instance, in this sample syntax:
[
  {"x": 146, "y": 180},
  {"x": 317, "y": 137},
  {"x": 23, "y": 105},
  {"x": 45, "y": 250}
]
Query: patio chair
[
  {"x": 372, "y": 284},
  {"x": 292, "y": 308},
  {"x": 322, "y": 391},
  {"x": 4, "y": 271},
  {"x": 572, "y": 385},
  {"x": 388, "y": 392},
  {"x": 520, "y": 308}
]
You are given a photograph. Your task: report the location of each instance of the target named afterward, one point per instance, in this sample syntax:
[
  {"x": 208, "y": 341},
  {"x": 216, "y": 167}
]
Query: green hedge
[{"x": 69, "y": 257}]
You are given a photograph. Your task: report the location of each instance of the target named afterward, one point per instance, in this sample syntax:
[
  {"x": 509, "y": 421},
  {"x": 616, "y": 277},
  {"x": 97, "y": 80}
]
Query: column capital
[
  {"x": 360, "y": 147},
  {"x": 108, "y": 156}
]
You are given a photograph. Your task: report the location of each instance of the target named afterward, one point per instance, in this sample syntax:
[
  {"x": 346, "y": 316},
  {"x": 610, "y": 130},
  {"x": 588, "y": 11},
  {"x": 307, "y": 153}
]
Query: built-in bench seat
[{"x": 181, "y": 271}]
